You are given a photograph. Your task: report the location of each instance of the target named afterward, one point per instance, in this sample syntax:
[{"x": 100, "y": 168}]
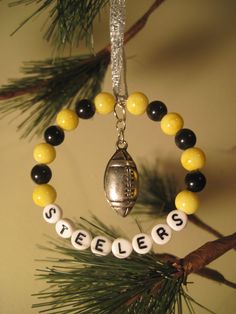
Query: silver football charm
[{"x": 121, "y": 182}]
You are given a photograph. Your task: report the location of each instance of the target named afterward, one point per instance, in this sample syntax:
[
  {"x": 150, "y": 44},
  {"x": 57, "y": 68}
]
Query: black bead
[
  {"x": 41, "y": 174},
  {"x": 85, "y": 109},
  {"x": 54, "y": 135},
  {"x": 195, "y": 181},
  {"x": 185, "y": 138},
  {"x": 156, "y": 110}
]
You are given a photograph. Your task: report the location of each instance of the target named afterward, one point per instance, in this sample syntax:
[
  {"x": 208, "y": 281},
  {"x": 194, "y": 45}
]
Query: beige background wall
[{"x": 185, "y": 56}]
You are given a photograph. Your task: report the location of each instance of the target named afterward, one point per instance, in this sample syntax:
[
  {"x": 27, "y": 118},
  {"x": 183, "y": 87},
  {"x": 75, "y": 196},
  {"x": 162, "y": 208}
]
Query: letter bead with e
[
  {"x": 142, "y": 243},
  {"x": 81, "y": 239},
  {"x": 101, "y": 246}
]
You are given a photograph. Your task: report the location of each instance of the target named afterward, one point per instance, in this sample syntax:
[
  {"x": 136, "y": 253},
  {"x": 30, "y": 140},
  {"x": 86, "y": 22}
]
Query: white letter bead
[
  {"x": 52, "y": 213},
  {"x": 177, "y": 220},
  {"x": 81, "y": 239},
  {"x": 161, "y": 234},
  {"x": 101, "y": 246},
  {"x": 121, "y": 248},
  {"x": 64, "y": 228},
  {"x": 142, "y": 243}
]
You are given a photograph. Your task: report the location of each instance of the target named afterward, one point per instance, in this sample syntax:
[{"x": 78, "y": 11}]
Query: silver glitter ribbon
[{"x": 118, "y": 64}]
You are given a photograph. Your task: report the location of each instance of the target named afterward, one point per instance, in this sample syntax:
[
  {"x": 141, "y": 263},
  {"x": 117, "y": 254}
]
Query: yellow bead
[
  {"x": 44, "y": 194},
  {"x": 193, "y": 159},
  {"x": 187, "y": 202},
  {"x": 137, "y": 103},
  {"x": 171, "y": 123},
  {"x": 44, "y": 153},
  {"x": 104, "y": 103},
  {"x": 67, "y": 119}
]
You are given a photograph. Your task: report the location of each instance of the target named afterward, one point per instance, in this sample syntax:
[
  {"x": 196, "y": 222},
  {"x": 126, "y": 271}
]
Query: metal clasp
[{"x": 120, "y": 115}]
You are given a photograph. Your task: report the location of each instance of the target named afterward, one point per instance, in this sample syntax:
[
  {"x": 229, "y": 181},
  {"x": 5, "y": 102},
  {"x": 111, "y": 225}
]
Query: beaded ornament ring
[
  {"x": 186, "y": 202},
  {"x": 121, "y": 183}
]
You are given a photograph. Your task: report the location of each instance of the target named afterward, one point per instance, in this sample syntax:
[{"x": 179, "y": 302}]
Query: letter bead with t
[{"x": 64, "y": 228}]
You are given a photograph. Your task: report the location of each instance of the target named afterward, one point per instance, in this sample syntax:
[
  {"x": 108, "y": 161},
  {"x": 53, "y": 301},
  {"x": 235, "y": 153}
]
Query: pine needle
[
  {"x": 69, "y": 22},
  {"x": 85, "y": 283},
  {"x": 51, "y": 85}
]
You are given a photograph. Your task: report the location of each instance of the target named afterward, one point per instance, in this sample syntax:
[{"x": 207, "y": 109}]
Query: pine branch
[
  {"x": 52, "y": 84},
  {"x": 204, "y": 272},
  {"x": 84, "y": 283},
  {"x": 198, "y": 259},
  {"x": 70, "y": 22},
  {"x": 133, "y": 30}
]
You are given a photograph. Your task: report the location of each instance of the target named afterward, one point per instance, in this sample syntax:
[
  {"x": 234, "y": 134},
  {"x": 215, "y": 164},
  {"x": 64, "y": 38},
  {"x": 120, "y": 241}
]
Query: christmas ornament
[{"x": 121, "y": 176}]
